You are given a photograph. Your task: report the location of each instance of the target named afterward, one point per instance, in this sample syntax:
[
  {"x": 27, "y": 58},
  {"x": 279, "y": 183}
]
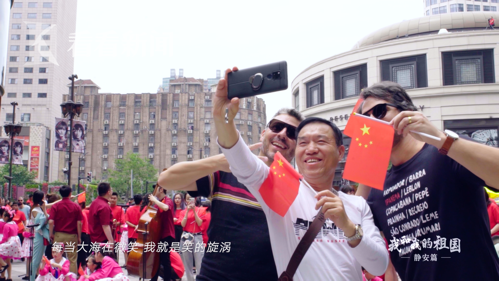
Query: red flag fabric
[
  {"x": 359, "y": 102},
  {"x": 280, "y": 189},
  {"x": 369, "y": 152},
  {"x": 80, "y": 271},
  {"x": 82, "y": 197}
]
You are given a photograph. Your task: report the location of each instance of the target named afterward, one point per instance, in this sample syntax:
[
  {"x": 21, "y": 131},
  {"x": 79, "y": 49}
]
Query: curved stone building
[{"x": 448, "y": 63}]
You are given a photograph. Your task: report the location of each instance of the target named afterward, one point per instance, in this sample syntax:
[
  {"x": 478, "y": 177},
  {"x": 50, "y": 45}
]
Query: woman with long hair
[
  {"x": 179, "y": 203},
  {"x": 39, "y": 216},
  {"x": 78, "y": 138},
  {"x": 10, "y": 245}
]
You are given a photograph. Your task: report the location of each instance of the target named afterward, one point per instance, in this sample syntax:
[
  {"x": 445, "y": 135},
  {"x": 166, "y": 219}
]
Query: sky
[{"x": 129, "y": 46}]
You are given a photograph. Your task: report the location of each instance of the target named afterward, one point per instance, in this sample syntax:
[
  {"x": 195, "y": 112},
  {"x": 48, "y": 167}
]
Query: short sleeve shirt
[
  {"x": 167, "y": 228},
  {"x": 100, "y": 214},
  {"x": 66, "y": 215},
  {"x": 133, "y": 216},
  {"x": 19, "y": 217}
]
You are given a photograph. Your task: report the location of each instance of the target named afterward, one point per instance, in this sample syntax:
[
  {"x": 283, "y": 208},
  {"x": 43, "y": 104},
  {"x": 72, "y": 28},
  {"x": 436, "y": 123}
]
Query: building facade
[
  {"x": 166, "y": 127},
  {"x": 436, "y": 7},
  {"x": 38, "y": 66},
  {"x": 451, "y": 77}
]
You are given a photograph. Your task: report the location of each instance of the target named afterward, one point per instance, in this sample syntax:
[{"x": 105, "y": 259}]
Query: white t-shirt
[{"x": 330, "y": 257}]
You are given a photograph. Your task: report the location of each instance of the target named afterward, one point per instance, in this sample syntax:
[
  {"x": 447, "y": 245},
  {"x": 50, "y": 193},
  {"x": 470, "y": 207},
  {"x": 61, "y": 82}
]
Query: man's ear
[
  {"x": 341, "y": 152},
  {"x": 262, "y": 134}
]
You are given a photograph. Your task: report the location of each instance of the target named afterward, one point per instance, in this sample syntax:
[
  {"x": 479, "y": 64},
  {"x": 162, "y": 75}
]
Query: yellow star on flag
[
  {"x": 365, "y": 130},
  {"x": 280, "y": 162}
]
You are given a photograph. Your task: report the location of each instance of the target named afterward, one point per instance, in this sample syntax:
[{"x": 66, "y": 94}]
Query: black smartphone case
[{"x": 246, "y": 82}]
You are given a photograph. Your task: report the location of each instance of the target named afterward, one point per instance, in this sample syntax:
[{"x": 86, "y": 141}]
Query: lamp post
[
  {"x": 71, "y": 108},
  {"x": 12, "y": 130}
]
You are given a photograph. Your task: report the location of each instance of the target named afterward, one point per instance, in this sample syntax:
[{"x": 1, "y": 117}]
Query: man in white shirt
[{"x": 348, "y": 240}]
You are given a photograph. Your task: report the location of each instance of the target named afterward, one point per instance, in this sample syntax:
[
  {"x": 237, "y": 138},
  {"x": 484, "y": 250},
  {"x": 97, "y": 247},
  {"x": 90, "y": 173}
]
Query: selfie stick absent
[{"x": 384, "y": 122}]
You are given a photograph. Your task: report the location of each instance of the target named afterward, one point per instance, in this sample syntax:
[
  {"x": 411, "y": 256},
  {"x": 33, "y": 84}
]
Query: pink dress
[
  {"x": 110, "y": 271},
  {"x": 10, "y": 245},
  {"x": 50, "y": 273}
]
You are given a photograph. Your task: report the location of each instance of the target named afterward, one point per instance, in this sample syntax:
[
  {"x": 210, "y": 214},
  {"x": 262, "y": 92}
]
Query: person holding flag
[
  {"x": 347, "y": 238},
  {"x": 433, "y": 174}
]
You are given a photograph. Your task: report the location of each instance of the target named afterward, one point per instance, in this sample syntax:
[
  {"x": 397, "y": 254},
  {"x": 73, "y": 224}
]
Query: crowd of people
[{"x": 413, "y": 229}]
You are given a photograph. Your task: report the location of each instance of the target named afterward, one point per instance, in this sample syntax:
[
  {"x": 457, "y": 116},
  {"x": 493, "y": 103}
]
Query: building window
[
  {"x": 175, "y": 126},
  {"x": 106, "y": 128},
  {"x": 25, "y": 117},
  {"x": 46, "y": 26},
  {"x": 122, "y": 103},
  {"x": 136, "y": 127},
  {"x": 26, "y": 95},
  {"x": 427, "y": 12},
  {"x": 250, "y": 128},
  {"x": 137, "y": 115},
  {"x": 174, "y": 138},
  {"x": 207, "y": 103},
  {"x": 151, "y": 150},
  {"x": 434, "y": 11},
  {"x": 191, "y": 103},
  {"x": 47, "y": 15},
  {"x": 138, "y": 103},
  {"x": 207, "y": 126},
  {"x": 13, "y": 69},
  {"x": 207, "y": 114},
  {"x": 135, "y": 150},
  {"x": 44, "y": 59},
  {"x": 190, "y": 138},
  {"x": 42, "y": 70},
  {"x": 434, "y": 2},
  {"x": 152, "y": 102},
  {"x": 109, "y": 104},
  {"x": 152, "y": 127},
  {"x": 45, "y": 37},
  {"x": 32, "y": 5},
  {"x": 409, "y": 72},
  {"x": 86, "y": 104},
  {"x": 315, "y": 92},
  {"x": 8, "y": 117},
  {"x": 47, "y": 4},
  {"x": 174, "y": 150},
  {"x": 468, "y": 67},
  {"x": 348, "y": 82},
  {"x": 17, "y": 16},
  {"x": 29, "y": 59},
  {"x": 190, "y": 114},
  {"x": 15, "y": 47},
  {"x": 175, "y": 115},
  {"x": 12, "y": 81},
  {"x": 121, "y": 127},
  {"x": 122, "y": 115},
  {"x": 44, "y": 48},
  {"x": 28, "y": 70},
  {"x": 176, "y": 103},
  {"x": 29, "y": 48},
  {"x": 107, "y": 116},
  {"x": 85, "y": 116},
  {"x": 470, "y": 7},
  {"x": 442, "y": 10},
  {"x": 11, "y": 95},
  {"x": 43, "y": 81},
  {"x": 15, "y": 37},
  {"x": 42, "y": 95},
  {"x": 120, "y": 151},
  {"x": 16, "y": 26},
  {"x": 207, "y": 151},
  {"x": 14, "y": 59},
  {"x": 17, "y": 5},
  {"x": 250, "y": 140},
  {"x": 152, "y": 115},
  {"x": 207, "y": 139},
  {"x": 296, "y": 97},
  {"x": 174, "y": 161},
  {"x": 248, "y": 104},
  {"x": 151, "y": 139},
  {"x": 457, "y": 8},
  {"x": 136, "y": 139},
  {"x": 31, "y": 15}
]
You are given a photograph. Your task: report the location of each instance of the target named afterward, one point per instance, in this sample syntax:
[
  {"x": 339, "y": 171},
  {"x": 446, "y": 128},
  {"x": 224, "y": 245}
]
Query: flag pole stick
[{"x": 384, "y": 122}]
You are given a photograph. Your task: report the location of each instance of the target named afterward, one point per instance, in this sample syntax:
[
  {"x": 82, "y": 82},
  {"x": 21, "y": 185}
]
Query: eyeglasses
[
  {"x": 277, "y": 126},
  {"x": 379, "y": 110}
]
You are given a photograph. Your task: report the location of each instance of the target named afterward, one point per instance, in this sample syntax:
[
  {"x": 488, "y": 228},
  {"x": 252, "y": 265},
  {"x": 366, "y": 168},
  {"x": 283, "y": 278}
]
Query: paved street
[{"x": 19, "y": 268}]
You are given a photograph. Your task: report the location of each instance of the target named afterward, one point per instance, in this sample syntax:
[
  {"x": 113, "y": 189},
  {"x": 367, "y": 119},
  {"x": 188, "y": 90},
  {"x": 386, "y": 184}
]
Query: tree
[
  {"x": 20, "y": 175},
  {"x": 143, "y": 171}
]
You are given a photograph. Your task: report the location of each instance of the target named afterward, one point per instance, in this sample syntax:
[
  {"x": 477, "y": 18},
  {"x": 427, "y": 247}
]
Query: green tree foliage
[
  {"x": 142, "y": 171},
  {"x": 20, "y": 175}
]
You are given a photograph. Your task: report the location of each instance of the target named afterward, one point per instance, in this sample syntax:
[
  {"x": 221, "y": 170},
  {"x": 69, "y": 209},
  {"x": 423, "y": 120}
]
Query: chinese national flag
[
  {"x": 82, "y": 197},
  {"x": 359, "y": 102},
  {"x": 280, "y": 189},
  {"x": 369, "y": 152}
]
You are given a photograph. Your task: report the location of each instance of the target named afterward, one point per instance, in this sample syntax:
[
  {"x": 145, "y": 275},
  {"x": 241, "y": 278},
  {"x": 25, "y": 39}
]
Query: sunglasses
[
  {"x": 379, "y": 110},
  {"x": 277, "y": 126}
]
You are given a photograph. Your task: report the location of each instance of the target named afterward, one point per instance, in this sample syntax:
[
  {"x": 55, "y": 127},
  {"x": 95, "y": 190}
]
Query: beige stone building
[
  {"x": 436, "y": 7},
  {"x": 39, "y": 62},
  {"x": 450, "y": 74},
  {"x": 165, "y": 127}
]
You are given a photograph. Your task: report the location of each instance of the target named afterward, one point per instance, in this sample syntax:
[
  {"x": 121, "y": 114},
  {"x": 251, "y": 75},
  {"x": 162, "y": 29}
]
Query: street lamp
[
  {"x": 71, "y": 108},
  {"x": 12, "y": 130}
]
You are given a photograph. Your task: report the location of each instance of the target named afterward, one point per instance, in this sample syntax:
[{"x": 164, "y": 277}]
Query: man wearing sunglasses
[
  {"x": 348, "y": 240},
  {"x": 433, "y": 193},
  {"x": 236, "y": 216}
]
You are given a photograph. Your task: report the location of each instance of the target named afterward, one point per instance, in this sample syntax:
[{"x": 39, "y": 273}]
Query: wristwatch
[
  {"x": 451, "y": 138},
  {"x": 358, "y": 233}
]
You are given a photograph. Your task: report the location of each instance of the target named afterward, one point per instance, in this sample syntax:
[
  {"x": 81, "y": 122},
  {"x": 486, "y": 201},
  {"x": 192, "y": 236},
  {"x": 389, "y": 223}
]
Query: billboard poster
[
  {"x": 17, "y": 153},
  {"x": 78, "y": 136},
  {"x": 35, "y": 151},
  {"x": 61, "y": 134},
  {"x": 4, "y": 150}
]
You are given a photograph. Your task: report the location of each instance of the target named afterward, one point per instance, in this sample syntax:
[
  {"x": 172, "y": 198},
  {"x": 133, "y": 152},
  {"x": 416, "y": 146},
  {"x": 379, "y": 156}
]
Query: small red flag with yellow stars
[
  {"x": 369, "y": 153},
  {"x": 280, "y": 189}
]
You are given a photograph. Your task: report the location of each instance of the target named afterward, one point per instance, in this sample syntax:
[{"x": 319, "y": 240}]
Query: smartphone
[{"x": 258, "y": 80}]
